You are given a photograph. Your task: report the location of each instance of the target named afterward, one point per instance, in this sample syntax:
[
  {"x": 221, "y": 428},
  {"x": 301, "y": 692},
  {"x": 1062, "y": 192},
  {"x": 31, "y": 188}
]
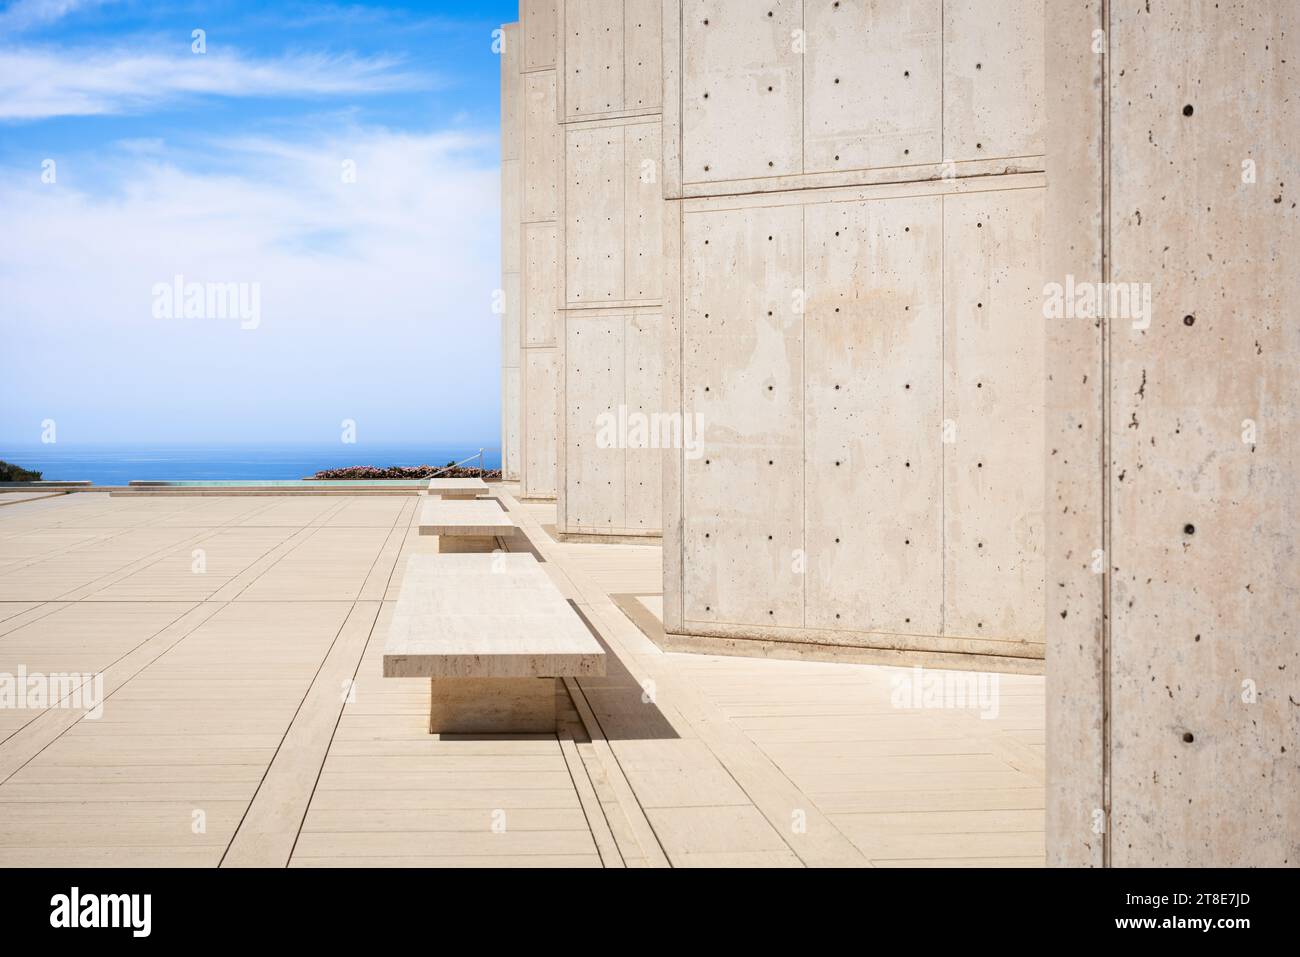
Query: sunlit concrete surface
[{"x": 238, "y": 643}]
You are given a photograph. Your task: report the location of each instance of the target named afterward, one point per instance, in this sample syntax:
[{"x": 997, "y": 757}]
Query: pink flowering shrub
[{"x": 366, "y": 473}]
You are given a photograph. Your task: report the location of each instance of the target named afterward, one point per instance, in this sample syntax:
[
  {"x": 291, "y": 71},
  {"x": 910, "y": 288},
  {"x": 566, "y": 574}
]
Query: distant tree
[{"x": 15, "y": 473}]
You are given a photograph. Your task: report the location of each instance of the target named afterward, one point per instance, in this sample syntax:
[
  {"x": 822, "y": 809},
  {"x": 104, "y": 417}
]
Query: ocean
[{"x": 118, "y": 465}]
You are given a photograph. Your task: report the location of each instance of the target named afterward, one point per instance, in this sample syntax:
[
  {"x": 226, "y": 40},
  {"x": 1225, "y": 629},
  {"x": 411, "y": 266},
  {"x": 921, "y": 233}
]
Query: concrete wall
[
  {"x": 512, "y": 136},
  {"x": 1173, "y": 569},
  {"x": 791, "y": 94},
  {"x": 611, "y": 267},
  {"x": 540, "y": 396},
  {"x": 856, "y": 318}
]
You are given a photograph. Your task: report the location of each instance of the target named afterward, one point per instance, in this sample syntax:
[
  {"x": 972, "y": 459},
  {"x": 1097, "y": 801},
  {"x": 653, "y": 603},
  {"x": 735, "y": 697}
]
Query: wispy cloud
[
  {"x": 376, "y": 255},
  {"x": 26, "y": 14},
  {"x": 37, "y": 83}
]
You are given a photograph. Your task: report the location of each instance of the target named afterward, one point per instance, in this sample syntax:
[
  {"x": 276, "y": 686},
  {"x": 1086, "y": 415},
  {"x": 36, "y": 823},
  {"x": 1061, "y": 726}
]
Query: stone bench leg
[
  {"x": 454, "y": 544},
  {"x": 492, "y": 705}
]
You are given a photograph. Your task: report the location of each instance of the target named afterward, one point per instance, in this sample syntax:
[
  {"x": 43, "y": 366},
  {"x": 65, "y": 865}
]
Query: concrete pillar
[
  {"x": 1172, "y": 566},
  {"x": 512, "y": 134},
  {"x": 611, "y": 270},
  {"x": 540, "y": 159}
]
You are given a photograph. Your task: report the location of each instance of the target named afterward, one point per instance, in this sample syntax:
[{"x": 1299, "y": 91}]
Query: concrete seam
[
  {"x": 943, "y": 411},
  {"x": 1107, "y": 501},
  {"x": 803, "y": 375},
  {"x": 401, "y": 529}
]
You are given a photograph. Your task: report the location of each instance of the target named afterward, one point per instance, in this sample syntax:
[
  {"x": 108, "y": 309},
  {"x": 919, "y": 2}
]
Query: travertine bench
[
  {"x": 493, "y": 634},
  {"x": 452, "y": 488},
  {"x": 466, "y": 525}
]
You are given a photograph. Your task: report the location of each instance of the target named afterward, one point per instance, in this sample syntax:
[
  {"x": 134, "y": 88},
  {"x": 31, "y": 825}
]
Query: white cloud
[
  {"x": 45, "y": 82},
  {"x": 25, "y": 14},
  {"x": 375, "y": 295},
  {"x": 141, "y": 144}
]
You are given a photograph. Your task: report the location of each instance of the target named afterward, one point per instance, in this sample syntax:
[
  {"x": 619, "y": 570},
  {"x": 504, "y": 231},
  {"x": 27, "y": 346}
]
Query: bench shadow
[
  {"x": 618, "y": 701},
  {"x": 522, "y": 544}
]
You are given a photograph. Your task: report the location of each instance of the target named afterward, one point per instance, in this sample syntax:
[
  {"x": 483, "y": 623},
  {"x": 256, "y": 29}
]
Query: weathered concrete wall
[
  {"x": 512, "y": 135},
  {"x": 792, "y": 94},
  {"x": 540, "y": 394},
  {"x": 612, "y": 370},
  {"x": 870, "y": 472},
  {"x": 1174, "y": 573},
  {"x": 610, "y": 60},
  {"x": 856, "y": 320},
  {"x": 611, "y": 268}
]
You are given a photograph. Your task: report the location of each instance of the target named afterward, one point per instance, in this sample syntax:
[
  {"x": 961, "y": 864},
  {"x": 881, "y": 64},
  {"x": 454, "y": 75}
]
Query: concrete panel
[
  {"x": 512, "y": 145},
  {"x": 1205, "y": 570},
  {"x": 510, "y": 426},
  {"x": 613, "y": 395},
  {"x": 768, "y": 98},
  {"x": 672, "y": 172},
  {"x": 874, "y": 470},
  {"x": 613, "y": 213},
  {"x": 593, "y": 57},
  {"x": 872, "y": 84},
  {"x": 511, "y": 321},
  {"x": 742, "y": 371},
  {"x": 539, "y": 19},
  {"x": 993, "y": 398},
  {"x": 671, "y": 351},
  {"x": 594, "y": 387},
  {"x": 643, "y": 223},
  {"x": 541, "y": 422},
  {"x": 870, "y": 452},
  {"x": 742, "y": 89},
  {"x": 595, "y": 206},
  {"x": 512, "y": 93},
  {"x": 540, "y": 282},
  {"x": 1074, "y": 525},
  {"x": 993, "y": 78},
  {"x": 643, "y": 391},
  {"x": 642, "y": 54},
  {"x": 511, "y": 214},
  {"x": 541, "y": 148}
]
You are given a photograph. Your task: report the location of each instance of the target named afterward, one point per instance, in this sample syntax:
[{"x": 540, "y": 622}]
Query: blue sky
[{"x": 336, "y": 165}]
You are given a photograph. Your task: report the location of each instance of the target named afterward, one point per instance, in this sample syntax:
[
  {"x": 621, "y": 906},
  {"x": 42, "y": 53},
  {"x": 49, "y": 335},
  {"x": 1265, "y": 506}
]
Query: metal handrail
[{"x": 478, "y": 455}]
